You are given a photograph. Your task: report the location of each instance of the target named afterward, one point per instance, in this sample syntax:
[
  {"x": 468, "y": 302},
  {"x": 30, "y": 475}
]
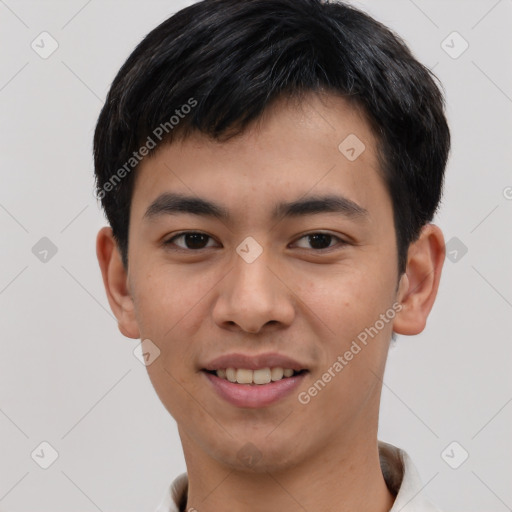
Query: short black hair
[{"x": 217, "y": 65}]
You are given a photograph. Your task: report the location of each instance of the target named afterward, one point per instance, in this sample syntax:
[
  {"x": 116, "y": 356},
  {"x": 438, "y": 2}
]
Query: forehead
[{"x": 317, "y": 146}]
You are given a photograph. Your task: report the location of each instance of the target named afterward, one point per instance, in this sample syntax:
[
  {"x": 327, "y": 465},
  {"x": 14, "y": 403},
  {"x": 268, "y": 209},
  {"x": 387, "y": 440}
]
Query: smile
[
  {"x": 248, "y": 393},
  {"x": 255, "y": 377}
]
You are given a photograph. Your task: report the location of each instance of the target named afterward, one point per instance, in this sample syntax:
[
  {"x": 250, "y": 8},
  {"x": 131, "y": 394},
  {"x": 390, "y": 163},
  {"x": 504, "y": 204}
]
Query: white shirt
[{"x": 399, "y": 472}]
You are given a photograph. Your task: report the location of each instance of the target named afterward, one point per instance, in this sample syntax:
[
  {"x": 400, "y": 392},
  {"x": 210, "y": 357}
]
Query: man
[{"x": 269, "y": 170}]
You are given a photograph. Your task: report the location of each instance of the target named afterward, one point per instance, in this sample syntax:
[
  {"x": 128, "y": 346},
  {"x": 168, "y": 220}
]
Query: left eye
[
  {"x": 320, "y": 241},
  {"x": 193, "y": 240}
]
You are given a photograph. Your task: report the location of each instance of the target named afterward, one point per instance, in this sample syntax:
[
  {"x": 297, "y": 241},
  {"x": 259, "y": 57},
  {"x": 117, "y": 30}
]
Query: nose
[{"x": 253, "y": 297}]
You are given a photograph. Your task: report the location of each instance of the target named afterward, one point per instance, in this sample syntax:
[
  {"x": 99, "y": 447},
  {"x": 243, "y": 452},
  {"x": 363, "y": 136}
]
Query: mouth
[
  {"x": 258, "y": 377},
  {"x": 252, "y": 389}
]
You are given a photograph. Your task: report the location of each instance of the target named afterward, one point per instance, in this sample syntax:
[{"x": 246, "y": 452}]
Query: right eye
[{"x": 191, "y": 240}]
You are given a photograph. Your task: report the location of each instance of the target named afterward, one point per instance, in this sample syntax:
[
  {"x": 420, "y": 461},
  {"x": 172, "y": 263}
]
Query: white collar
[{"x": 399, "y": 472}]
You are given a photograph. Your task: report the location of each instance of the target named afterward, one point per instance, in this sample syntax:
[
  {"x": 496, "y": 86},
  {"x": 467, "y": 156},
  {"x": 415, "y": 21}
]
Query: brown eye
[
  {"x": 320, "y": 241},
  {"x": 191, "y": 240}
]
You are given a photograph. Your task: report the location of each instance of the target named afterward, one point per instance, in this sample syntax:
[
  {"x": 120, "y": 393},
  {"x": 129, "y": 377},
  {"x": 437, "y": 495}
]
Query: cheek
[
  {"x": 350, "y": 305},
  {"x": 168, "y": 305},
  {"x": 350, "y": 300},
  {"x": 169, "y": 302},
  {"x": 172, "y": 307}
]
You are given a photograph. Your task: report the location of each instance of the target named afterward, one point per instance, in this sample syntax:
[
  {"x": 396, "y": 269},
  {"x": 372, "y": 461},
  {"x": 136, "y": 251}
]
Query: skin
[{"x": 295, "y": 299}]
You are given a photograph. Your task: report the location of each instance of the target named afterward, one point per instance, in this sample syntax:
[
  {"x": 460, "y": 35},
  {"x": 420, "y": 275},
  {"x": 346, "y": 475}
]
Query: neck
[{"x": 348, "y": 477}]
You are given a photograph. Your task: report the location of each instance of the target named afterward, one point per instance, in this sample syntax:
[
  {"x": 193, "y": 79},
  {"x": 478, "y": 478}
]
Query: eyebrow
[{"x": 174, "y": 204}]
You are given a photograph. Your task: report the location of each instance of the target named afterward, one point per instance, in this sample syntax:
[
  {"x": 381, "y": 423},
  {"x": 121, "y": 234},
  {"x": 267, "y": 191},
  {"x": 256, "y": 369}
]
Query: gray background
[{"x": 68, "y": 377}]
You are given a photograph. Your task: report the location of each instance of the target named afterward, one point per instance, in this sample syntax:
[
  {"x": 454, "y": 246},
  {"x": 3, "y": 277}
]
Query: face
[{"x": 267, "y": 270}]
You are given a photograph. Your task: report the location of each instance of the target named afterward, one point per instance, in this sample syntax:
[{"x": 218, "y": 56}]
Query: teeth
[
  {"x": 277, "y": 373},
  {"x": 260, "y": 376},
  {"x": 244, "y": 376}
]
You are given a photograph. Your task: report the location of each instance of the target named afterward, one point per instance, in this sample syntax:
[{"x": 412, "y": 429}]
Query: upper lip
[{"x": 253, "y": 362}]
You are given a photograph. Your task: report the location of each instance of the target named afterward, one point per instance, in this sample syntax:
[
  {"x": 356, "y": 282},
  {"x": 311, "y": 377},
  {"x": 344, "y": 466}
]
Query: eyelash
[{"x": 170, "y": 241}]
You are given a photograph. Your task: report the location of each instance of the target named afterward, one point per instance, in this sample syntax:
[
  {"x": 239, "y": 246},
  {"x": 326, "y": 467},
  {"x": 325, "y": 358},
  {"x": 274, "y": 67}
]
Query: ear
[
  {"x": 418, "y": 286},
  {"x": 115, "y": 280}
]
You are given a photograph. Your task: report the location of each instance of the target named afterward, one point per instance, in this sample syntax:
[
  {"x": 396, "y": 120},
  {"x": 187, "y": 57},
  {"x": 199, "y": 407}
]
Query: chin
[{"x": 259, "y": 455}]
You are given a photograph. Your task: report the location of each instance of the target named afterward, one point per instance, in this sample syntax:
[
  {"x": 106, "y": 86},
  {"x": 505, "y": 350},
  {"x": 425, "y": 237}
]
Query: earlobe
[
  {"x": 418, "y": 286},
  {"x": 115, "y": 280}
]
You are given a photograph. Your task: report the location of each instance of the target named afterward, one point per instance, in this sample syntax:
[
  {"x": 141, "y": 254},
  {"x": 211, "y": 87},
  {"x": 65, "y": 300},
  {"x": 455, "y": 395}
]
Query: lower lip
[{"x": 255, "y": 395}]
